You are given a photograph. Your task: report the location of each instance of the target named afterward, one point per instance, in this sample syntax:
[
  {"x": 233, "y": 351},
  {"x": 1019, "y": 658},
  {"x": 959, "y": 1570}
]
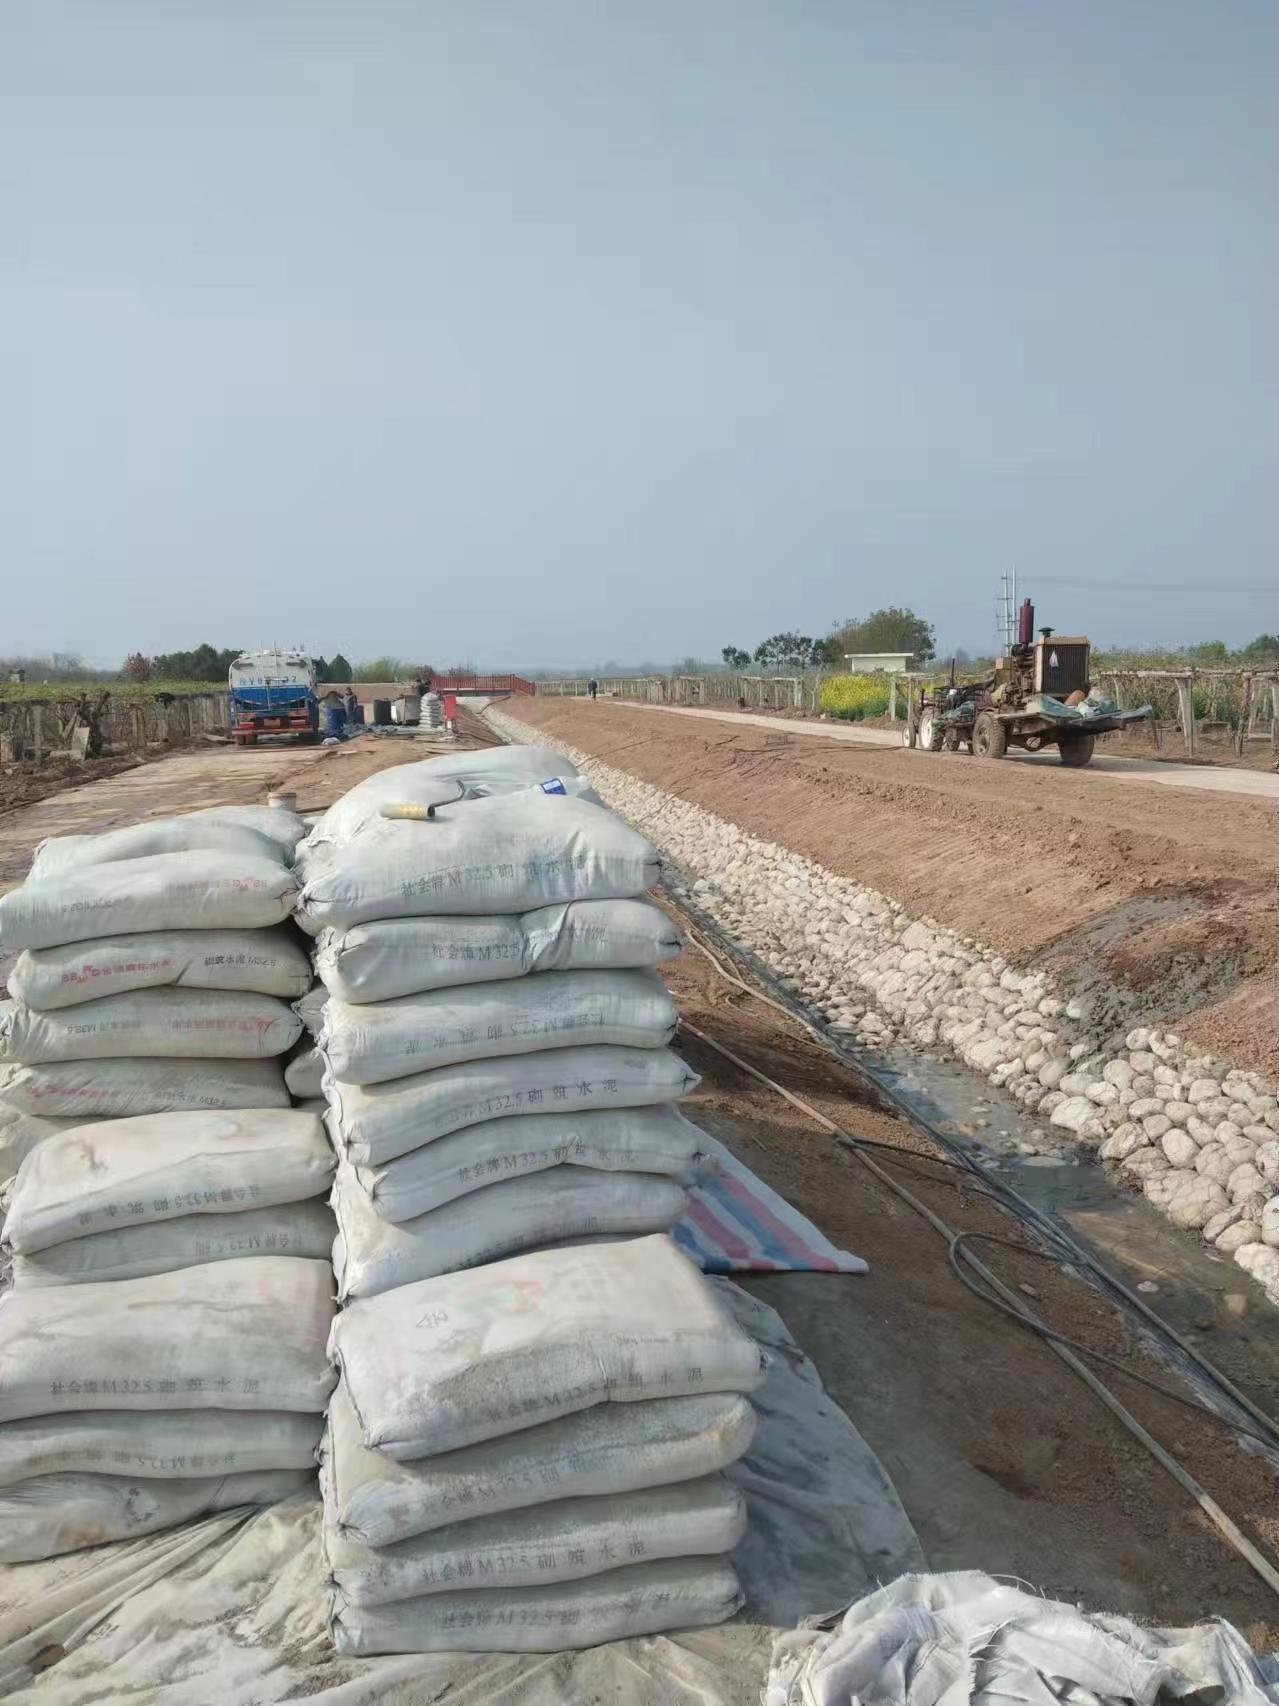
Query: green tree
[
  {"x": 1209, "y": 652},
  {"x": 339, "y": 668},
  {"x": 1264, "y": 649},
  {"x": 382, "y": 669},
  {"x": 891, "y": 630},
  {"x": 786, "y": 651},
  {"x": 735, "y": 658},
  {"x": 205, "y": 663}
]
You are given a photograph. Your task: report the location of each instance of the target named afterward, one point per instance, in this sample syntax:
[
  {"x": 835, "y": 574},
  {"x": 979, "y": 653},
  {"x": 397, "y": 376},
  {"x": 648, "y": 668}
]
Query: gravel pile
[{"x": 1201, "y": 1138}]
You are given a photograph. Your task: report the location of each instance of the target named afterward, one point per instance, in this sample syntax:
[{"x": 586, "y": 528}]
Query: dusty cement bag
[
  {"x": 419, "y": 1033},
  {"x": 264, "y": 962},
  {"x": 377, "y": 1122},
  {"x": 507, "y": 854},
  {"x": 304, "y": 1075},
  {"x": 168, "y": 1445},
  {"x": 247, "y": 1334},
  {"x": 624, "y": 1140},
  {"x": 371, "y": 1255},
  {"x": 52, "y": 1514},
  {"x": 310, "y": 1009},
  {"x": 133, "y": 1252},
  {"x": 117, "y": 1173},
  {"x": 611, "y": 1449},
  {"x": 682, "y": 1593},
  {"x": 167, "y": 891},
  {"x": 435, "y": 779},
  {"x": 558, "y": 1542},
  {"x": 470, "y": 1356},
  {"x": 81, "y": 1090},
  {"x": 151, "y": 1024},
  {"x": 19, "y": 1134},
  {"x": 285, "y": 828},
  {"x": 59, "y": 854},
  {"x": 405, "y": 956}
]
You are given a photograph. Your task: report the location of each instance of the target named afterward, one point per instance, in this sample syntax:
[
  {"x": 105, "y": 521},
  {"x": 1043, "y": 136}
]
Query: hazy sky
[{"x": 545, "y": 331}]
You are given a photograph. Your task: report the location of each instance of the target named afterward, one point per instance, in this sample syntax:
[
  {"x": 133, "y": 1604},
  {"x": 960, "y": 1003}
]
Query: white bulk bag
[
  {"x": 377, "y": 1122},
  {"x": 470, "y": 1356},
  {"x": 132, "y": 1172},
  {"x": 371, "y": 1255},
  {"x": 242, "y": 1335},
  {"x": 58, "y": 854},
  {"x": 304, "y": 1074},
  {"x": 619, "y": 1140},
  {"x": 211, "y": 1024},
  {"x": 167, "y": 891},
  {"x": 557, "y": 1542},
  {"x": 266, "y": 962},
  {"x": 167, "y": 1444},
  {"x": 497, "y": 855},
  {"x": 19, "y": 1134},
  {"x": 114, "y": 1089},
  {"x": 63, "y": 1513},
  {"x": 433, "y": 779},
  {"x": 611, "y": 1449},
  {"x": 419, "y": 1033},
  {"x": 134, "y": 1252},
  {"x": 644, "y": 1599},
  {"x": 388, "y": 958}
]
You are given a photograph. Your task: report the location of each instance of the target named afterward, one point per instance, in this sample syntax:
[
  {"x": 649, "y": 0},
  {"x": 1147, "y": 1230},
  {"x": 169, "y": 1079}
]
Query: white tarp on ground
[{"x": 234, "y": 1611}]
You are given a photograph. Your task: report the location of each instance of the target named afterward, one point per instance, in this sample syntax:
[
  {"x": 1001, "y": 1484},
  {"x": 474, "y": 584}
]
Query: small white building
[{"x": 878, "y": 663}]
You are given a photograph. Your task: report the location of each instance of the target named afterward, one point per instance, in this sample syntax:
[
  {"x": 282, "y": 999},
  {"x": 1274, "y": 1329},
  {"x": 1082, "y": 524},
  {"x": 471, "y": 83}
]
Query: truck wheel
[
  {"x": 930, "y": 733},
  {"x": 990, "y": 736},
  {"x": 1076, "y": 750}
]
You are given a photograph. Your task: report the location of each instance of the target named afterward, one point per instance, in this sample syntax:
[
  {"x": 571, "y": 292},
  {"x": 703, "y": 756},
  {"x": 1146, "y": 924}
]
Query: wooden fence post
[
  {"x": 1245, "y": 713},
  {"x": 892, "y": 697},
  {"x": 37, "y": 731},
  {"x": 1186, "y": 711}
]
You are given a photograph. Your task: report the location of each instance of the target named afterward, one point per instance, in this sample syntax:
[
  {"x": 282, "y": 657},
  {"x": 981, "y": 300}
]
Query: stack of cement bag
[
  {"x": 132, "y": 1405},
  {"x": 527, "y": 1456},
  {"x": 154, "y": 974},
  {"x": 491, "y": 962}
]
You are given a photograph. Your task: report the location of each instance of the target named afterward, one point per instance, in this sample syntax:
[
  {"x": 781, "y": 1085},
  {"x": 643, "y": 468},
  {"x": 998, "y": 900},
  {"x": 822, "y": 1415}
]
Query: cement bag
[
  {"x": 167, "y": 1445},
  {"x": 114, "y": 1089},
  {"x": 310, "y": 1008},
  {"x": 285, "y": 828},
  {"x": 557, "y": 1542},
  {"x": 304, "y": 1075},
  {"x": 168, "y": 891},
  {"x": 149, "y": 1024},
  {"x": 435, "y": 779},
  {"x": 371, "y": 1255},
  {"x": 626, "y": 1140},
  {"x": 418, "y": 1033},
  {"x": 247, "y": 1334},
  {"x": 499, "y": 855},
  {"x": 63, "y": 1513},
  {"x": 644, "y": 1599},
  {"x": 405, "y": 956},
  {"x": 59, "y": 854},
  {"x": 134, "y": 1252},
  {"x": 19, "y": 1134},
  {"x": 471, "y": 1356},
  {"x": 265, "y": 962},
  {"x": 132, "y": 1172},
  {"x": 377, "y": 1122},
  {"x": 611, "y": 1449}
]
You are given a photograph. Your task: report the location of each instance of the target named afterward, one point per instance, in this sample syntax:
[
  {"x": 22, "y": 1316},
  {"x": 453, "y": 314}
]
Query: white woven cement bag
[
  {"x": 405, "y": 956},
  {"x": 265, "y": 962},
  {"x": 310, "y": 1009},
  {"x": 437, "y": 779},
  {"x": 165, "y": 1445},
  {"x": 241, "y": 1335},
  {"x": 419, "y": 1033},
  {"x": 115, "y": 1089},
  {"x": 470, "y": 1356},
  {"x": 644, "y": 1599},
  {"x": 498, "y": 855},
  {"x": 152, "y": 1023},
  {"x": 52, "y": 1514},
  {"x": 59, "y": 854},
  {"x": 377, "y": 1122},
  {"x": 304, "y": 1075},
  {"x": 611, "y": 1449},
  {"x": 371, "y": 1255},
  {"x": 285, "y": 828},
  {"x": 167, "y": 891},
  {"x": 621, "y": 1140},
  {"x": 134, "y": 1252},
  {"x": 133, "y": 1172},
  {"x": 19, "y": 1134},
  {"x": 557, "y": 1542}
]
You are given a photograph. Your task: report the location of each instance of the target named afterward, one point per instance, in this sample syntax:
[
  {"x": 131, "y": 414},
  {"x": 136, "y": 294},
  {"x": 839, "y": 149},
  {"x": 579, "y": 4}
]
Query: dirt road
[{"x": 1165, "y": 897}]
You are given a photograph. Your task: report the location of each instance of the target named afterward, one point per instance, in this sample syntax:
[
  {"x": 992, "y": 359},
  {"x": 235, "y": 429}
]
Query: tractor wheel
[
  {"x": 990, "y": 736},
  {"x": 931, "y": 733},
  {"x": 1076, "y": 750},
  {"x": 950, "y": 740},
  {"x": 908, "y": 734}
]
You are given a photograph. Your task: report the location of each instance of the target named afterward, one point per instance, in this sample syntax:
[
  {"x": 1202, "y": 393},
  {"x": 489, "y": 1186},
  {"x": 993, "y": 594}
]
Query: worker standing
[{"x": 593, "y": 687}]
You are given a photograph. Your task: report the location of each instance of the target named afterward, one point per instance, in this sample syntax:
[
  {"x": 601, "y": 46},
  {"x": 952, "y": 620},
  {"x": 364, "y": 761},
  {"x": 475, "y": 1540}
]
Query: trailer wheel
[
  {"x": 990, "y": 736},
  {"x": 931, "y": 733},
  {"x": 1076, "y": 750}
]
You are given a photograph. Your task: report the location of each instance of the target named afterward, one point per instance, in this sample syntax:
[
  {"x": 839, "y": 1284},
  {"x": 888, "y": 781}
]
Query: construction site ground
[{"x": 1003, "y": 1459}]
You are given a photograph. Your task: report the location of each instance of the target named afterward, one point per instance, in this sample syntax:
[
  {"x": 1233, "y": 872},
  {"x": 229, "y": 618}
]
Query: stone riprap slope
[{"x": 1200, "y": 1137}]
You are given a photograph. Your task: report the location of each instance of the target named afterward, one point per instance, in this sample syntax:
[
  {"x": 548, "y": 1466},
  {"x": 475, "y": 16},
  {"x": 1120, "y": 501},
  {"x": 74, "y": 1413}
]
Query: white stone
[{"x": 1180, "y": 1148}]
